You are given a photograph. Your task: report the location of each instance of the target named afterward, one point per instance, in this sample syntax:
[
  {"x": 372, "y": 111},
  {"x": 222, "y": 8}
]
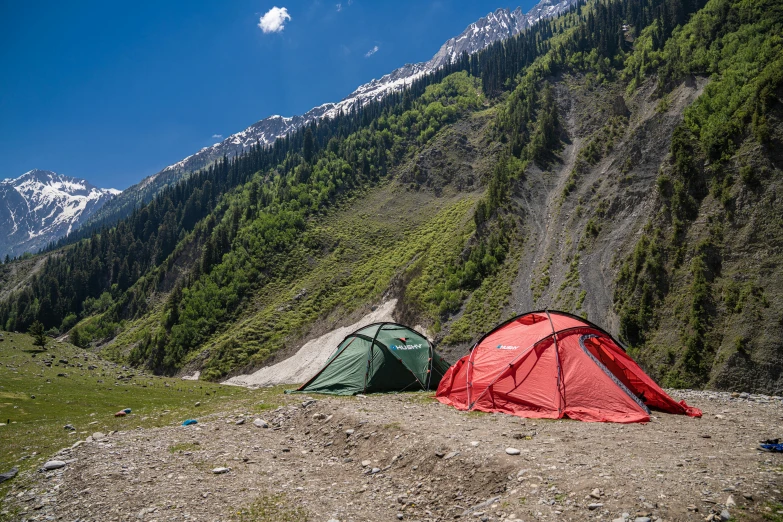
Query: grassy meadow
[{"x": 38, "y": 399}]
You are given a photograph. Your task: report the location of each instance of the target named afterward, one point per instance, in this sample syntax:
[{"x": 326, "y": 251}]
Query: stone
[
  {"x": 197, "y": 404},
  {"x": 400, "y": 516},
  {"x": 319, "y": 416},
  {"x": 451, "y": 455},
  {"x": 596, "y": 493},
  {"x": 98, "y": 436},
  {"x": 260, "y": 423},
  {"x": 593, "y": 507},
  {"x": 642, "y": 519},
  {"x": 220, "y": 471},
  {"x": 474, "y": 443},
  {"x": 366, "y": 463},
  {"x": 513, "y": 451},
  {"x": 53, "y": 464},
  {"x": 730, "y": 502},
  {"x": 747, "y": 496},
  {"x": 240, "y": 421},
  {"x": 8, "y": 475},
  {"x": 349, "y": 432},
  {"x": 69, "y": 427},
  {"x": 375, "y": 470},
  {"x": 724, "y": 515}
]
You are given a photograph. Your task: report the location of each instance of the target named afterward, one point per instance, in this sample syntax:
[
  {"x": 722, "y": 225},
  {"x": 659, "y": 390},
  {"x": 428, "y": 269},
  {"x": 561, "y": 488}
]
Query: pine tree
[
  {"x": 309, "y": 145},
  {"x": 39, "y": 335}
]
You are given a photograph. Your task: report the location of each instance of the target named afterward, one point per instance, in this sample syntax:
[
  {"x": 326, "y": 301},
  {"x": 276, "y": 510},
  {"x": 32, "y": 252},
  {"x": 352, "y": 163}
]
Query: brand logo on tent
[
  {"x": 406, "y": 347},
  {"x": 507, "y": 347}
]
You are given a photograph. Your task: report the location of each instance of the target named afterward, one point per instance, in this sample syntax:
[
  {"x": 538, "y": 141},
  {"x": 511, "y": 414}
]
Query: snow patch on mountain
[
  {"x": 41, "y": 206},
  {"x": 496, "y": 26}
]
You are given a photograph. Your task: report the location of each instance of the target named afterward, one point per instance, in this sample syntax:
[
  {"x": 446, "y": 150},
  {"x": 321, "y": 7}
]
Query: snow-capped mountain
[
  {"x": 41, "y": 206},
  {"x": 499, "y": 25},
  {"x": 496, "y": 26}
]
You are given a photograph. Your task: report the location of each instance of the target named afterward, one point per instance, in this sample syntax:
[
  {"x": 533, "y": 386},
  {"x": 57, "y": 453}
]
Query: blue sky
[{"x": 115, "y": 91}]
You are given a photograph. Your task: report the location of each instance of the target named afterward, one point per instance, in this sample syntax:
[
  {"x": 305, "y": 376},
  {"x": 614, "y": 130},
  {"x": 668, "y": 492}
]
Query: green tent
[{"x": 381, "y": 357}]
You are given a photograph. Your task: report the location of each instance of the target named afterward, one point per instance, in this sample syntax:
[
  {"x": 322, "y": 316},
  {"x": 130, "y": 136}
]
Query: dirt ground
[{"x": 422, "y": 461}]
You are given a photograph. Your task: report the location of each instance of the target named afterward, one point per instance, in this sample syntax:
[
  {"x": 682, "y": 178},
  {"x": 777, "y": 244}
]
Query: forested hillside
[{"x": 621, "y": 161}]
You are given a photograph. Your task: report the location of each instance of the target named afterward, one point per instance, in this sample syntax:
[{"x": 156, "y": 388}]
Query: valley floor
[{"x": 407, "y": 457}]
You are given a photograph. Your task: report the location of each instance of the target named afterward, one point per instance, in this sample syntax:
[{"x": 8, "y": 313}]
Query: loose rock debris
[{"x": 410, "y": 457}]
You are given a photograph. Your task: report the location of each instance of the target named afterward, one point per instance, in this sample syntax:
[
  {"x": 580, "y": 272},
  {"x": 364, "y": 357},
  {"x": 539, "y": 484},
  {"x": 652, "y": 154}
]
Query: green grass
[
  {"x": 367, "y": 243},
  {"x": 419, "y": 397},
  {"x": 184, "y": 446},
  {"x": 485, "y": 306},
  {"x": 271, "y": 509},
  {"x": 775, "y": 513},
  {"x": 80, "y": 398}
]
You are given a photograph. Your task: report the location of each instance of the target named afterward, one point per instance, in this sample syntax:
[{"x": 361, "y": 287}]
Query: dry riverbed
[{"x": 406, "y": 457}]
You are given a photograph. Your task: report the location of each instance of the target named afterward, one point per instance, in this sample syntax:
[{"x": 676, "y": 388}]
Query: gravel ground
[{"x": 406, "y": 457}]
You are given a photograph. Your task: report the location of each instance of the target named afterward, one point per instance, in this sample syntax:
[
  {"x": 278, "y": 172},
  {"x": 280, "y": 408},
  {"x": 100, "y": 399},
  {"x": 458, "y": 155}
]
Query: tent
[
  {"x": 381, "y": 357},
  {"x": 551, "y": 365}
]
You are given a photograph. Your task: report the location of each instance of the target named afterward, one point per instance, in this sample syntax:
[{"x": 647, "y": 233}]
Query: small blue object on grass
[
  {"x": 777, "y": 448},
  {"x": 189, "y": 422},
  {"x": 127, "y": 410}
]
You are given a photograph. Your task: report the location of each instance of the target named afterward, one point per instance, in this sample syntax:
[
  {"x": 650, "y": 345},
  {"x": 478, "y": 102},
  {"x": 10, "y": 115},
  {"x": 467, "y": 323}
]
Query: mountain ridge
[
  {"x": 495, "y": 26},
  {"x": 585, "y": 165},
  {"x": 41, "y": 206}
]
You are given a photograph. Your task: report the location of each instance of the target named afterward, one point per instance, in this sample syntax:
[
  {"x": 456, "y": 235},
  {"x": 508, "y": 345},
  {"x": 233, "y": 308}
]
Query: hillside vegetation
[
  {"x": 621, "y": 161},
  {"x": 42, "y": 391}
]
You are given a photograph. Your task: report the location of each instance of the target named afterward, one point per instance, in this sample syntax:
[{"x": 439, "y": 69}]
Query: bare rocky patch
[{"x": 407, "y": 457}]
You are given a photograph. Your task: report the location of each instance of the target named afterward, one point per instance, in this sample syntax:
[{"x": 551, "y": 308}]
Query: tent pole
[
  {"x": 469, "y": 374},
  {"x": 559, "y": 367},
  {"x": 429, "y": 373},
  {"x": 372, "y": 354}
]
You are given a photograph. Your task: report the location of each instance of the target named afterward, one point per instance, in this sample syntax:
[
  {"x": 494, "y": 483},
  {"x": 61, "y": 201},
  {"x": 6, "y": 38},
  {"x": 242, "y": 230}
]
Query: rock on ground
[{"x": 661, "y": 471}]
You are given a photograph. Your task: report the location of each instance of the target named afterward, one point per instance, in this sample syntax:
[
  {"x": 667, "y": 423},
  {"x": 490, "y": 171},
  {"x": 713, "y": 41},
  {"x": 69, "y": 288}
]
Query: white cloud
[
  {"x": 339, "y": 7},
  {"x": 371, "y": 52},
  {"x": 274, "y": 20},
  {"x": 217, "y": 136}
]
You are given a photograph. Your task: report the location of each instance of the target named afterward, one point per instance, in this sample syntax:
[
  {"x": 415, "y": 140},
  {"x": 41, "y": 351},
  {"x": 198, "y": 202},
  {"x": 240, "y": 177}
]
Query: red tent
[{"x": 552, "y": 365}]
